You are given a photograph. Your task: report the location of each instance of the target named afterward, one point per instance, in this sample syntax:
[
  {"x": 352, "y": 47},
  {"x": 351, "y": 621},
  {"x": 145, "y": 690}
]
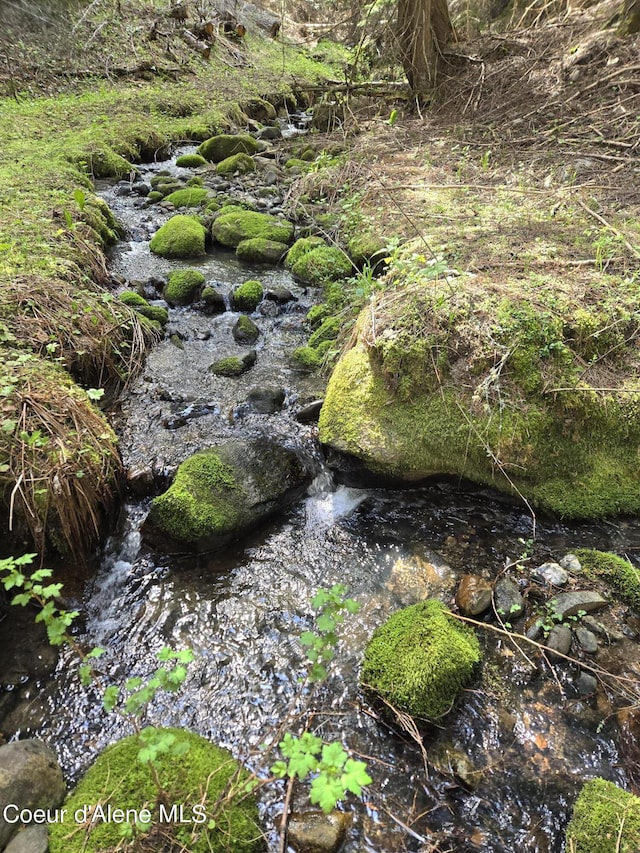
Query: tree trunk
[{"x": 424, "y": 27}]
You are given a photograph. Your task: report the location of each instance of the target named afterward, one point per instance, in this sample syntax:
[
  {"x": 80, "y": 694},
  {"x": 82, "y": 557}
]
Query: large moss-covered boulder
[
  {"x": 420, "y": 659},
  {"x": 247, "y": 296},
  {"x": 489, "y": 385},
  {"x": 261, "y": 251},
  {"x": 221, "y": 493},
  {"x": 233, "y": 225},
  {"x": 200, "y": 777},
  {"x": 182, "y": 286},
  {"x": 240, "y": 162},
  {"x": 605, "y": 819},
  {"x": 321, "y": 265},
  {"x": 617, "y": 572},
  {"x": 226, "y": 145},
  {"x": 181, "y": 237}
]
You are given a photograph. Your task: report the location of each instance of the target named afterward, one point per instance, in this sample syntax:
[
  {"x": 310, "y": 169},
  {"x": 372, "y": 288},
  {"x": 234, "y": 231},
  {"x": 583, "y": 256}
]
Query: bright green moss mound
[
  {"x": 118, "y": 779},
  {"x": 618, "y": 573},
  {"x": 234, "y": 225},
  {"x": 180, "y": 237},
  {"x": 247, "y": 296},
  {"x": 190, "y": 161},
  {"x": 307, "y": 358},
  {"x": 327, "y": 331},
  {"x": 226, "y": 145},
  {"x": 322, "y": 265},
  {"x": 420, "y": 659},
  {"x": 302, "y": 247},
  {"x": 155, "y": 313},
  {"x": 240, "y": 162},
  {"x": 605, "y": 819},
  {"x": 261, "y": 251},
  {"x": 201, "y": 501},
  {"x": 230, "y": 366},
  {"x": 182, "y": 286},
  {"x": 188, "y": 197}
]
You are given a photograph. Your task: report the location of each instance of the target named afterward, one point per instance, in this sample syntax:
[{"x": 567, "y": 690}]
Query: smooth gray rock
[
  {"x": 266, "y": 401},
  {"x": 30, "y": 777},
  {"x": 507, "y": 600},
  {"x": 32, "y": 839},
  {"x": 553, "y": 574},
  {"x": 570, "y": 603},
  {"x": 586, "y": 683},
  {"x": 611, "y": 635},
  {"x": 571, "y": 564},
  {"x": 588, "y": 641},
  {"x": 310, "y": 413},
  {"x": 560, "y": 639}
]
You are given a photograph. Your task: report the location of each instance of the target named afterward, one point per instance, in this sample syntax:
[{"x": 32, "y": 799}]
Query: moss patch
[
  {"x": 616, "y": 572},
  {"x": 202, "y": 775},
  {"x": 420, "y": 659},
  {"x": 302, "y": 247},
  {"x": 605, "y": 819},
  {"x": 225, "y": 145},
  {"x": 240, "y": 162},
  {"x": 190, "y": 161},
  {"x": 322, "y": 265},
  {"x": 182, "y": 286},
  {"x": 188, "y": 197},
  {"x": 155, "y": 313},
  {"x": 234, "y": 225},
  {"x": 307, "y": 358},
  {"x": 248, "y": 296},
  {"x": 261, "y": 251},
  {"x": 180, "y": 237}
]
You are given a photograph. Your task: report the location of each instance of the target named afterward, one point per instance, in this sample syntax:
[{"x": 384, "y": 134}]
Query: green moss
[
  {"x": 420, "y": 659},
  {"x": 195, "y": 181},
  {"x": 191, "y": 197},
  {"x": 240, "y": 162},
  {"x": 233, "y": 225},
  {"x": 245, "y": 330},
  {"x": 327, "y": 331},
  {"x": 155, "y": 196},
  {"x": 213, "y": 300},
  {"x": 618, "y": 573},
  {"x": 182, "y": 286},
  {"x": 605, "y": 819},
  {"x": 225, "y": 145},
  {"x": 322, "y": 265},
  {"x": 119, "y": 779},
  {"x": 294, "y": 163},
  {"x": 247, "y": 296},
  {"x": 230, "y": 366},
  {"x": 180, "y": 237},
  {"x": 130, "y": 297},
  {"x": 261, "y": 251},
  {"x": 190, "y": 161},
  {"x": 307, "y": 358},
  {"x": 200, "y": 502},
  {"x": 367, "y": 247},
  {"x": 302, "y": 247}
]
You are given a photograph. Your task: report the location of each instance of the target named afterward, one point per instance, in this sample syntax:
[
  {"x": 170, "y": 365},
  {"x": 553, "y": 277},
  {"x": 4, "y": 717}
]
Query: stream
[{"x": 505, "y": 767}]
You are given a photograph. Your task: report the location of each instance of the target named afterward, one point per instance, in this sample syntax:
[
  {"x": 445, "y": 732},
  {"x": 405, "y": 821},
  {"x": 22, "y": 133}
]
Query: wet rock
[
  {"x": 141, "y": 480},
  {"x": 245, "y": 330},
  {"x": 570, "y": 603},
  {"x": 176, "y": 340},
  {"x": 474, "y": 595},
  {"x": 30, "y": 777},
  {"x": 560, "y": 639},
  {"x": 221, "y": 493},
  {"x": 507, "y": 600},
  {"x": 212, "y": 301},
  {"x": 269, "y": 309},
  {"x": 269, "y": 133},
  {"x": 611, "y": 635},
  {"x": 534, "y": 629},
  {"x": 551, "y": 573},
  {"x": 316, "y": 832},
  {"x": 233, "y": 366},
  {"x": 280, "y": 294},
  {"x": 586, "y": 683},
  {"x": 32, "y": 839},
  {"x": 266, "y": 401},
  {"x": 414, "y": 579},
  {"x": 571, "y": 564},
  {"x": 310, "y": 413},
  {"x": 588, "y": 641}
]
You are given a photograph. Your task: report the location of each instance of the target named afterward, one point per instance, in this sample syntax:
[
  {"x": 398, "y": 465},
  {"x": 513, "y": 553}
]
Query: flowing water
[{"x": 504, "y": 769}]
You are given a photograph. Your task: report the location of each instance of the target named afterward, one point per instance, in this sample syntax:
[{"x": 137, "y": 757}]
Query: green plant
[{"x": 332, "y": 606}]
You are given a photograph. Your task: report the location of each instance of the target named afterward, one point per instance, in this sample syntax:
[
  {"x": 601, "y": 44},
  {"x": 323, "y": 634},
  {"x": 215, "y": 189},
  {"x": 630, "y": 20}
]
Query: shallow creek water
[{"x": 506, "y": 765}]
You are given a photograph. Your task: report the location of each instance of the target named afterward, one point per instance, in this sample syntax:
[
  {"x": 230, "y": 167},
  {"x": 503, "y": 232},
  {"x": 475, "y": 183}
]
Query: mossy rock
[
  {"x": 328, "y": 330},
  {"x": 213, "y": 301},
  {"x": 307, "y": 358},
  {"x": 261, "y": 251},
  {"x": 118, "y": 779},
  {"x": 619, "y": 574},
  {"x": 606, "y": 819},
  {"x": 248, "y": 296},
  {"x": 191, "y": 161},
  {"x": 195, "y": 181},
  {"x": 168, "y": 186},
  {"x": 183, "y": 286},
  {"x": 260, "y": 110},
  {"x": 240, "y": 162},
  {"x": 245, "y": 330},
  {"x": 221, "y": 493},
  {"x": 420, "y": 659},
  {"x": 225, "y": 145},
  {"x": 322, "y": 265},
  {"x": 155, "y": 196},
  {"x": 233, "y": 225},
  {"x": 188, "y": 197},
  {"x": 418, "y": 395},
  {"x": 302, "y": 247},
  {"x": 367, "y": 248},
  {"x": 180, "y": 237},
  {"x": 294, "y": 164},
  {"x": 316, "y": 314},
  {"x": 233, "y": 365}
]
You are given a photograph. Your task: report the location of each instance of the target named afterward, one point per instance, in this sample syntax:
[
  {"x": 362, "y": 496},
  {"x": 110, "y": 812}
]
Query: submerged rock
[
  {"x": 219, "y": 494},
  {"x": 266, "y": 401},
  {"x": 316, "y": 832},
  {"x": 474, "y": 595},
  {"x": 233, "y": 365}
]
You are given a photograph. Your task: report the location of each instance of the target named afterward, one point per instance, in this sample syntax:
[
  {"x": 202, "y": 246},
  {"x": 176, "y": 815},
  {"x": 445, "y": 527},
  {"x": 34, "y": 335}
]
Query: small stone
[
  {"x": 552, "y": 573},
  {"x": 474, "y": 595},
  {"x": 316, "y": 832},
  {"x": 571, "y": 564},
  {"x": 266, "y": 401},
  {"x": 611, "y": 635},
  {"x": 534, "y": 629},
  {"x": 279, "y": 294},
  {"x": 310, "y": 413},
  {"x": 560, "y": 639},
  {"x": 245, "y": 330},
  {"x": 507, "y": 600},
  {"x": 588, "y": 641},
  {"x": 177, "y": 341},
  {"x": 570, "y": 603},
  {"x": 586, "y": 683},
  {"x": 141, "y": 480}
]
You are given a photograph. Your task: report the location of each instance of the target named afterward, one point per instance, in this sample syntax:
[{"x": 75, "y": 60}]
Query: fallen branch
[
  {"x": 609, "y": 227},
  {"x": 202, "y": 47}
]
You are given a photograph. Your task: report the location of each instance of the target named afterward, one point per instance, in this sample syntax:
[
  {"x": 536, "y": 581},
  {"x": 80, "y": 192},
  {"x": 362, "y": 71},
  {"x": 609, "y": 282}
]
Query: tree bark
[{"x": 424, "y": 27}]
